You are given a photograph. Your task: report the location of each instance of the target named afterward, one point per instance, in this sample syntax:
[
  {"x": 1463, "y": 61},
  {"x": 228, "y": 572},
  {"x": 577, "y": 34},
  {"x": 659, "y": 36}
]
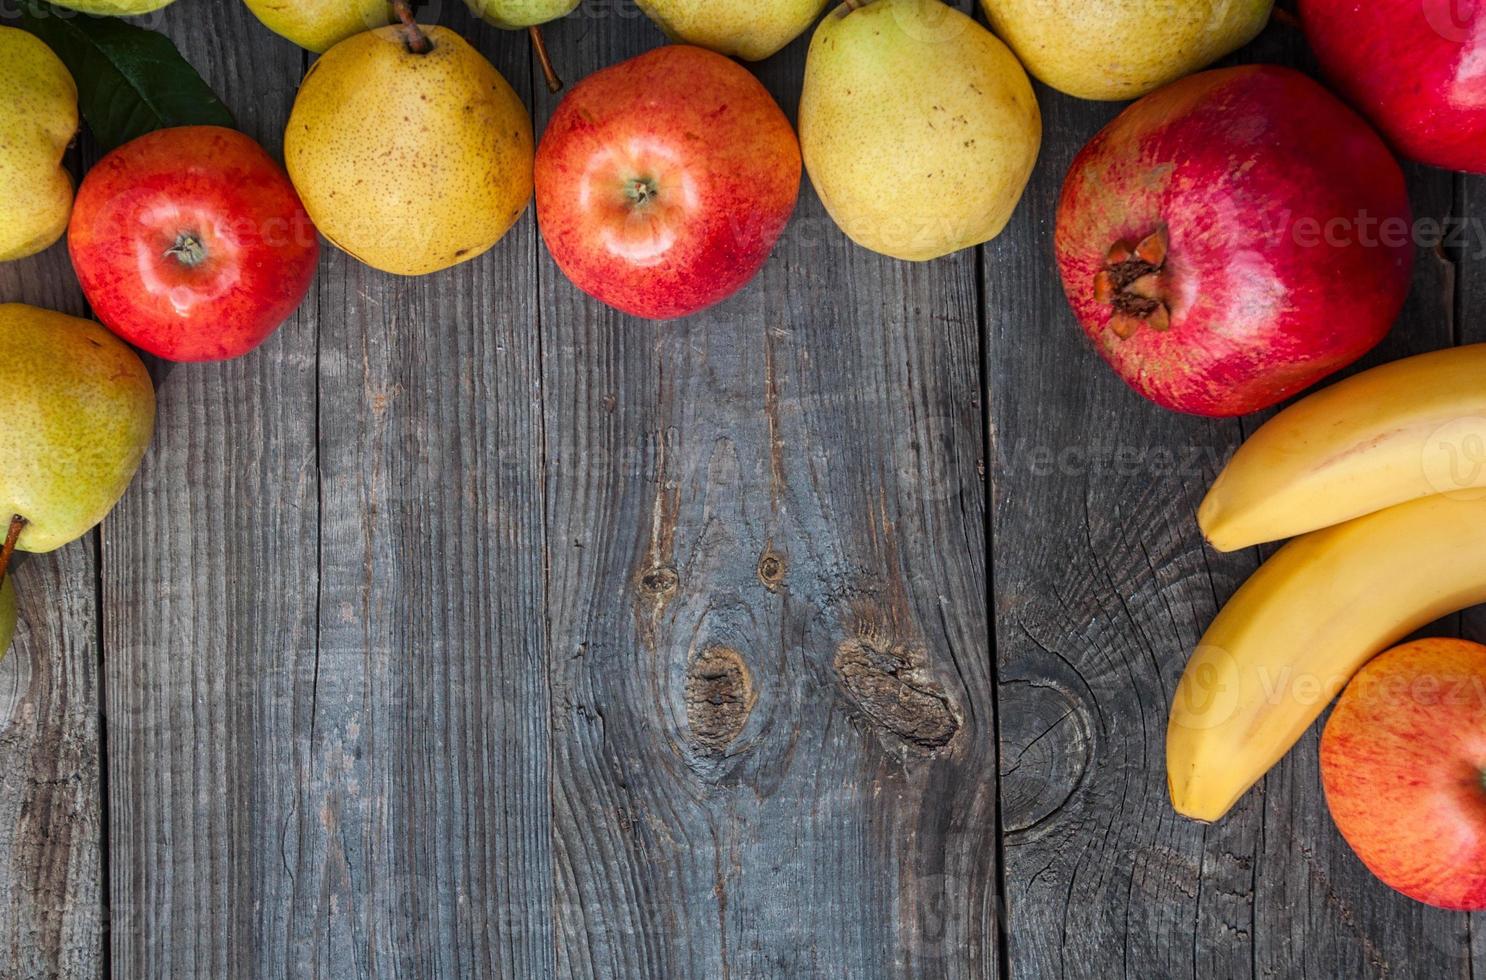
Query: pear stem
[
  {"x": 539, "y": 45},
  {"x": 417, "y": 41},
  {"x": 17, "y": 524},
  {"x": 854, "y": 4}
]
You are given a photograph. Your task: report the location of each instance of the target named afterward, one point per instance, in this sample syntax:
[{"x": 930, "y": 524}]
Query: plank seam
[
  {"x": 1000, "y": 918},
  {"x": 536, "y": 81},
  {"x": 105, "y": 882}
]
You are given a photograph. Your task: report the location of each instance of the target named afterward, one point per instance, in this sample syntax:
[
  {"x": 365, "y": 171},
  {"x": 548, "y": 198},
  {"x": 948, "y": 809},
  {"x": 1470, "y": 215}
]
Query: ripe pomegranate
[
  {"x": 1414, "y": 67},
  {"x": 1232, "y": 238}
]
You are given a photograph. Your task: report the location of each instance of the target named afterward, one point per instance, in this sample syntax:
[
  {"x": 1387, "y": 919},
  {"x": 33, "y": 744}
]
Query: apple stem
[
  {"x": 187, "y": 250},
  {"x": 417, "y": 41},
  {"x": 539, "y": 45},
  {"x": 1281, "y": 16},
  {"x": 854, "y": 4},
  {"x": 17, "y": 524},
  {"x": 641, "y": 190}
]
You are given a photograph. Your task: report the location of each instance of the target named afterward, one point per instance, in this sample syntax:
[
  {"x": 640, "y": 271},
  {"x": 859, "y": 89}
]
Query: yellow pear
[
  {"x": 747, "y": 29},
  {"x": 79, "y": 410},
  {"x": 36, "y": 124},
  {"x": 113, "y": 8},
  {"x": 919, "y": 129},
  {"x": 410, "y": 161},
  {"x": 7, "y": 615},
  {"x": 319, "y": 24},
  {"x": 1122, "y": 49}
]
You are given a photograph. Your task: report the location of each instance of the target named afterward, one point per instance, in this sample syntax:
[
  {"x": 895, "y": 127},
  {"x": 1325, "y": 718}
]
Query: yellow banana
[
  {"x": 1399, "y": 432},
  {"x": 1305, "y": 622}
]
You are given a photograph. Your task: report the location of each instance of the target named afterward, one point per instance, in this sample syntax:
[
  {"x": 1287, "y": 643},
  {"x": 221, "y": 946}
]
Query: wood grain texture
[
  {"x": 469, "y": 629},
  {"x": 324, "y": 622},
  {"x": 1103, "y": 585},
  {"x": 424, "y": 799},
  {"x": 209, "y": 598},
  {"x": 773, "y": 720}
]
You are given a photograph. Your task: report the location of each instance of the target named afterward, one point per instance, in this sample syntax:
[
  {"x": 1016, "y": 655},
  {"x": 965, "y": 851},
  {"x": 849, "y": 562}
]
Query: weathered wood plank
[
  {"x": 51, "y": 873},
  {"x": 1103, "y": 585},
  {"x": 337, "y": 767},
  {"x": 52, "y": 915},
  {"x": 422, "y": 824},
  {"x": 773, "y": 723},
  {"x": 209, "y": 613}
]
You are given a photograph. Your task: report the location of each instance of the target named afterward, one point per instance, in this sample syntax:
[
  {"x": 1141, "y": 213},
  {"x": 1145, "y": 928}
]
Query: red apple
[
  {"x": 1403, "y": 760},
  {"x": 191, "y": 243},
  {"x": 664, "y": 181},
  {"x": 1414, "y": 67},
  {"x": 1232, "y": 238}
]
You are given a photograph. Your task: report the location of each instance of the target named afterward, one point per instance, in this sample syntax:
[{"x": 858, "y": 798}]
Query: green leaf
[{"x": 130, "y": 81}]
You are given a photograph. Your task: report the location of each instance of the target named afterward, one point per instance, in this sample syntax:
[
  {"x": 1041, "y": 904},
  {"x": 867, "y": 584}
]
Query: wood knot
[
  {"x": 719, "y": 698},
  {"x": 660, "y": 580},
  {"x": 771, "y": 569},
  {"x": 887, "y": 685}
]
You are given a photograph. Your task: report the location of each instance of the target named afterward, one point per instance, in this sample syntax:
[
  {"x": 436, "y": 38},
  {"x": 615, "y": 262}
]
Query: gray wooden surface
[{"x": 469, "y": 629}]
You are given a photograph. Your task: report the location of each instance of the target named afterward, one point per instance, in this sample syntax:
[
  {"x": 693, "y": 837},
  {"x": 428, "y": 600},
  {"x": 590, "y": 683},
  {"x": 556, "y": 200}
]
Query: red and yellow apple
[
  {"x": 191, "y": 243},
  {"x": 1403, "y": 762},
  {"x": 663, "y": 182}
]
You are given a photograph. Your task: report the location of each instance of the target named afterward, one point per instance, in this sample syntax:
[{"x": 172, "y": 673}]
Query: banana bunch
[{"x": 1383, "y": 477}]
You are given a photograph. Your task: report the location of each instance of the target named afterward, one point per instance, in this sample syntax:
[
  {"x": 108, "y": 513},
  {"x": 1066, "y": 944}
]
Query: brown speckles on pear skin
[
  {"x": 416, "y": 131},
  {"x": 79, "y": 413}
]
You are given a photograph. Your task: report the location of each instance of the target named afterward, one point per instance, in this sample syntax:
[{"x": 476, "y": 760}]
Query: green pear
[
  {"x": 113, "y": 8},
  {"x": 79, "y": 411},
  {"x": 1117, "y": 49},
  {"x": 515, "y": 15},
  {"x": 919, "y": 129},
  {"x": 7, "y": 615},
  {"x": 410, "y": 160},
  {"x": 36, "y": 125},
  {"x": 318, "y": 25},
  {"x": 512, "y": 15},
  {"x": 747, "y": 29}
]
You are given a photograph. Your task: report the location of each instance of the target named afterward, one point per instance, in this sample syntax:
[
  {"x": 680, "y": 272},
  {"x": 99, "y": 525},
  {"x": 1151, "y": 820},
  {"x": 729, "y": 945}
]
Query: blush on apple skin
[
  {"x": 1414, "y": 67},
  {"x": 1403, "y": 762},
  {"x": 663, "y": 182},
  {"x": 191, "y": 243},
  {"x": 1287, "y": 238}
]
